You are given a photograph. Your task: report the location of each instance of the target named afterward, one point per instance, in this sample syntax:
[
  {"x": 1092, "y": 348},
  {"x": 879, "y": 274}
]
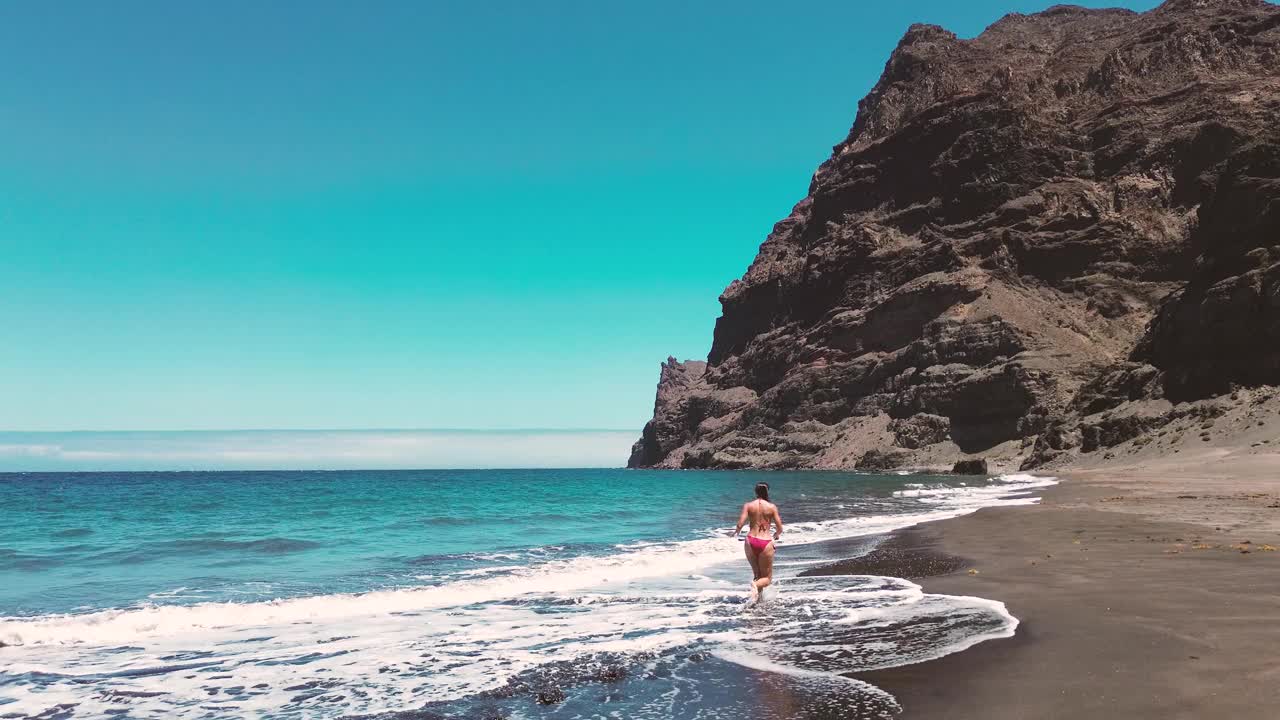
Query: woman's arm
[
  {"x": 742, "y": 520},
  {"x": 777, "y": 520}
]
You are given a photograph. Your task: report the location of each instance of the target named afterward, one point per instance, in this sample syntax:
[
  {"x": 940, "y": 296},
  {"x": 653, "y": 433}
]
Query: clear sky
[{"x": 400, "y": 214}]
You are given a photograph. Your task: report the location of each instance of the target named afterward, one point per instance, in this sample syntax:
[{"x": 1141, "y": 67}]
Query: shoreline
[{"x": 1121, "y": 614}]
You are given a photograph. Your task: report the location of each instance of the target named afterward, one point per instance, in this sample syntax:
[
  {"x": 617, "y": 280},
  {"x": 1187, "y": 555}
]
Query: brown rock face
[{"x": 1073, "y": 214}]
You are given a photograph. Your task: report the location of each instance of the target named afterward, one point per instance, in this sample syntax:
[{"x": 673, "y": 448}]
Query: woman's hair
[{"x": 762, "y": 490}]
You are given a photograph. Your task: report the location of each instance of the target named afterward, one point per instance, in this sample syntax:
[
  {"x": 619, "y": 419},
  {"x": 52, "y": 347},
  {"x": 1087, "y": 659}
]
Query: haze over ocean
[{"x": 312, "y": 449}]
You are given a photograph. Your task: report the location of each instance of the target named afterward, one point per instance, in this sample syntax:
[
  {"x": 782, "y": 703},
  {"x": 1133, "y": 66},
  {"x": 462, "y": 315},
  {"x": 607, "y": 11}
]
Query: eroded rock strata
[{"x": 1059, "y": 235}]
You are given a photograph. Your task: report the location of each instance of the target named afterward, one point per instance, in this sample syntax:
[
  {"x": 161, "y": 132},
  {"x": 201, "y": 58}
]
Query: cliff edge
[{"x": 1059, "y": 236}]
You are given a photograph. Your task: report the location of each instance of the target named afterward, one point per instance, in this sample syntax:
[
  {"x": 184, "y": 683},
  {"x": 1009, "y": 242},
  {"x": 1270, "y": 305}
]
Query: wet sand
[
  {"x": 1143, "y": 592},
  {"x": 910, "y": 554}
]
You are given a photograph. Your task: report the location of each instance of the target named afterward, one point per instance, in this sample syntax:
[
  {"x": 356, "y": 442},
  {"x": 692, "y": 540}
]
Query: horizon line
[
  {"x": 335, "y": 470},
  {"x": 320, "y": 430}
]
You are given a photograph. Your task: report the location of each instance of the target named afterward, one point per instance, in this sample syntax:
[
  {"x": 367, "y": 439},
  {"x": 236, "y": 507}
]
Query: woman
[{"x": 759, "y": 546}]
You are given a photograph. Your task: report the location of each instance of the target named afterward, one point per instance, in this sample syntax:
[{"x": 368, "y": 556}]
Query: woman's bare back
[{"x": 760, "y": 517}]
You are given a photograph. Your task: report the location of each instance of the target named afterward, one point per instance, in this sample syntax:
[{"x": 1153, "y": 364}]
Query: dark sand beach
[{"x": 1143, "y": 592}]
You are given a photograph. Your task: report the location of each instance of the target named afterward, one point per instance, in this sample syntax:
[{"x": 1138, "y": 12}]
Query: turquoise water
[
  {"x": 91, "y": 541},
  {"x": 153, "y": 592}
]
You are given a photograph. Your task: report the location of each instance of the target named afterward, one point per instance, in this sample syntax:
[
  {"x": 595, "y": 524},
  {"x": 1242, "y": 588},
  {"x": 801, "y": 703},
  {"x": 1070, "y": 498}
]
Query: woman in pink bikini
[{"x": 760, "y": 514}]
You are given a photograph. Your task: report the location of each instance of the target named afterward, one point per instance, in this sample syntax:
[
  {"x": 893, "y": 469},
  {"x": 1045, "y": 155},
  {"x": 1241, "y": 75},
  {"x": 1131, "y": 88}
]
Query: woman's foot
[{"x": 755, "y": 593}]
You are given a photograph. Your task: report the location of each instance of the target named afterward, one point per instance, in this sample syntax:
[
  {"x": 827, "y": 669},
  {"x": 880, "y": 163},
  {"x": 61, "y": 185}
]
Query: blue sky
[{"x": 400, "y": 214}]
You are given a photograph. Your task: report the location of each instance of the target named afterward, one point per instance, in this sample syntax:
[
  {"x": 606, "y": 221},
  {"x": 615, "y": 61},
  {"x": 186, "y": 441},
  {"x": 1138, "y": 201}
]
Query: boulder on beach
[{"x": 973, "y": 466}]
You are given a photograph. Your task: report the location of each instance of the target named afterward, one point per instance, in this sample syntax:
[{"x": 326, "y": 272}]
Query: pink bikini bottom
[{"x": 758, "y": 544}]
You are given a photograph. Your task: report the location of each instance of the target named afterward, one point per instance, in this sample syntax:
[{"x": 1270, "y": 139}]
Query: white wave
[
  {"x": 401, "y": 662},
  {"x": 495, "y": 556},
  {"x": 474, "y": 572},
  {"x": 167, "y": 594},
  {"x": 1013, "y": 489},
  {"x": 198, "y": 622},
  {"x": 637, "y": 563}
]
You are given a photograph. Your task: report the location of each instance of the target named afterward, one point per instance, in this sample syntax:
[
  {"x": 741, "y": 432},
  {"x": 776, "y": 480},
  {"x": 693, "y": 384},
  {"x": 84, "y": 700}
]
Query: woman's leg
[
  {"x": 753, "y": 557},
  {"x": 764, "y": 567}
]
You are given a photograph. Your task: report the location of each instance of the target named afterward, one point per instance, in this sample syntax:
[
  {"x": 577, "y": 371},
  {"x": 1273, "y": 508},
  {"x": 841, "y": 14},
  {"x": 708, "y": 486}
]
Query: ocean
[{"x": 469, "y": 593}]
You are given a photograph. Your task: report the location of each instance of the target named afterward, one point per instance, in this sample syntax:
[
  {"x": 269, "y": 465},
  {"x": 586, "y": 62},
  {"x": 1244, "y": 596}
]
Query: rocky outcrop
[
  {"x": 1075, "y": 213},
  {"x": 975, "y": 466},
  {"x": 678, "y": 400}
]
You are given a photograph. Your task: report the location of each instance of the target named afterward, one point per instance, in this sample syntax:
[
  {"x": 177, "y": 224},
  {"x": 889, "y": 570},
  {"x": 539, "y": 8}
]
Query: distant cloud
[
  {"x": 313, "y": 449},
  {"x": 14, "y": 451}
]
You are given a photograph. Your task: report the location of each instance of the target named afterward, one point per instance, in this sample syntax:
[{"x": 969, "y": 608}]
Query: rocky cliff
[{"x": 1055, "y": 237}]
